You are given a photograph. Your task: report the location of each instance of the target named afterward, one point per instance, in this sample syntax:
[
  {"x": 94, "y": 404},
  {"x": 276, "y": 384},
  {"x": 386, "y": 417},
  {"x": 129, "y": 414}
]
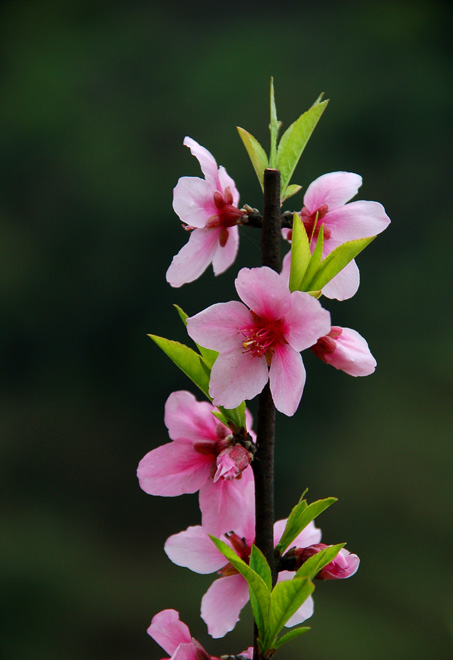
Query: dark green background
[{"x": 95, "y": 100}]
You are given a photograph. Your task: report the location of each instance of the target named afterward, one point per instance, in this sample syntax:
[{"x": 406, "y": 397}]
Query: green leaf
[
  {"x": 190, "y": 362},
  {"x": 260, "y": 596},
  {"x": 235, "y": 416},
  {"x": 258, "y": 563},
  {"x": 294, "y": 140},
  {"x": 336, "y": 261},
  {"x": 292, "y": 634},
  {"x": 209, "y": 355},
  {"x": 274, "y": 128},
  {"x": 300, "y": 254},
  {"x": 256, "y": 153},
  {"x": 314, "y": 261},
  {"x": 291, "y": 190},
  {"x": 314, "y": 564},
  {"x": 300, "y": 516},
  {"x": 286, "y": 598},
  {"x": 182, "y": 315}
]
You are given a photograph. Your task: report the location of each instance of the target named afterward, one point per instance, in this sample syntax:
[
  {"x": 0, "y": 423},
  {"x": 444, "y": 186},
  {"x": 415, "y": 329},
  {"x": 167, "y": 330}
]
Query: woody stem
[{"x": 263, "y": 463}]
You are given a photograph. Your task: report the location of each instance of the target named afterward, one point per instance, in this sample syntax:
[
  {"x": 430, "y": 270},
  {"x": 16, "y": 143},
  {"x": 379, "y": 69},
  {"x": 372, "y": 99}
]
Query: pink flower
[
  {"x": 174, "y": 637},
  {"x": 208, "y": 208},
  {"x": 260, "y": 340},
  {"x": 202, "y": 456},
  {"x": 225, "y": 598},
  {"x": 345, "y": 349},
  {"x": 343, "y": 566},
  {"x": 326, "y": 197}
]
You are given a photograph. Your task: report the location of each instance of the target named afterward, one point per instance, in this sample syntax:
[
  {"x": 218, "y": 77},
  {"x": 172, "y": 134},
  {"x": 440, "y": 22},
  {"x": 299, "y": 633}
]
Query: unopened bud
[
  {"x": 343, "y": 566},
  {"x": 231, "y": 462}
]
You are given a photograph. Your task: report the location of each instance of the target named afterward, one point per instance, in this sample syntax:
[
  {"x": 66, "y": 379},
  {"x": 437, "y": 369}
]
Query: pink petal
[
  {"x": 173, "y": 469},
  {"x": 193, "y": 549},
  {"x": 308, "y": 536},
  {"x": 344, "y": 285},
  {"x": 357, "y": 220},
  {"x": 193, "y": 201},
  {"x": 264, "y": 291},
  {"x": 333, "y": 189},
  {"x": 305, "y": 611},
  {"x": 352, "y": 354},
  {"x": 218, "y": 327},
  {"x": 229, "y": 505},
  {"x": 306, "y": 321},
  {"x": 222, "y": 604},
  {"x": 225, "y": 256},
  {"x": 227, "y": 182},
  {"x": 207, "y": 162},
  {"x": 168, "y": 631},
  {"x": 236, "y": 376},
  {"x": 185, "y": 652},
  {"x": 287, "y": 379},
  {"x": 311, "y": 534},
  {"x": 194, "y": 257},
  {"x": 286, "y": 268},
  {"x": 189, "y": 420}
]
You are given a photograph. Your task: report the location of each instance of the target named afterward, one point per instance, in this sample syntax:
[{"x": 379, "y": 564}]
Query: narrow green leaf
[
  {"x": 299, "y": 518},
  {"x": 182, "y": 315},
  {"x": 209, "y": 356},
  {"x": 291, "y": 190},
  {"x": 259, "y": 593},
  {"x": 292, "y": 634},
  {"x": 294, "y": 140},
  {"x": 336, "y": 261},
  {"x": 300, "y": 254},
  {"x": 274, "y": 128},
  {"x": 259, "y": 564},
  {"x": 191, "y": 363},
  {"x": 256, "y": 153},
  {"x": 314, "y": 564},
  {"x": 314, "y": 261},
  {"x": 286, "y": 598},
  {"x": 235, "y": 416},
  {"x": 318, "y": 100},
  {"x": 220, "y": 416}
]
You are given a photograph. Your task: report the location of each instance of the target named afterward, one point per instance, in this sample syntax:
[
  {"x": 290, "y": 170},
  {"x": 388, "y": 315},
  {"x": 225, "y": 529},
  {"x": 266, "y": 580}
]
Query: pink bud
[
  {"x": 345, "y": 349},
  {"x": 343, "y": 566},
  {"x": 231, "y": 462}
]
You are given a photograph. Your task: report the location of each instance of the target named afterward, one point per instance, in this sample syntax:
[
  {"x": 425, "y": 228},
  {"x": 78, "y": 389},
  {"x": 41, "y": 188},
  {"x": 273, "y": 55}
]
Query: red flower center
[
  {"x": 227, "y": 214},
  {"x": 262, "y": 336},
  {"x": 312, "y": 222}
]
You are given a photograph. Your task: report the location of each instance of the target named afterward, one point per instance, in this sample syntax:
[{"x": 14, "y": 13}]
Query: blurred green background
[{"x": 95, "y": 100}]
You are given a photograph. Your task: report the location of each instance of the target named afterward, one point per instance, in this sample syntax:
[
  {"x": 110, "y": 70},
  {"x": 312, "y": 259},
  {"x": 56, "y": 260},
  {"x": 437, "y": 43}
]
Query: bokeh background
[{"x": 95, "y": 100}]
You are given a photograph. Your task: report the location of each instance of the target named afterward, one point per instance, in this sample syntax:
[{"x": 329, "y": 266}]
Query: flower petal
[
  {"x": 236, "y": 377},
  {"x": 229, "y": 505},
  {"x": 218, "y": 327},
  {"x": 227, "y": 182},
  {"x": 207, "y": 162},
  {"x": 357, "y": 220},
  {"x": 306, "y": 321},
  {"x": 287, "y": 379},
  {"x": 309, "y": 535},
  {"x": 185, "y": 652},
  {"x": 352, "y": 354},
  {"x": 173, "y": 469},
  {"x": 333, "y": 189},
  {"x": 222, "y": 604},
  {"x": 264, "y": 291},
  {"x": 305, "y": 611},
  {"x": 225, "y": 256},
  {"x": 168, "y": 631},
  {"x": 344, "y": 285},
  {"x": 194, "y": 257},
  {"x": 189, "y": 420},
  {"x": 193, "y": 549},
  {"x": 193, "y": 201}
]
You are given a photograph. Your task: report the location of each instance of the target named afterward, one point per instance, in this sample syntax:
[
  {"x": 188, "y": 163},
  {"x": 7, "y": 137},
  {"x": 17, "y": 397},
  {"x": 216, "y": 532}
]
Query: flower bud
[
  {"x": 343, "y": 566},
  {"x": 345, "y": 349},
  {"x": 231, "y": 462}
]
